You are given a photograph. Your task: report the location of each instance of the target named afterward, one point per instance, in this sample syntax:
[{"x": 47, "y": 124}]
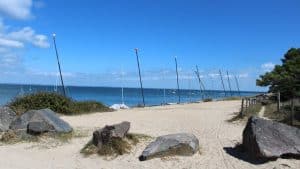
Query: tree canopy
[{"x": 285, "y": 77}]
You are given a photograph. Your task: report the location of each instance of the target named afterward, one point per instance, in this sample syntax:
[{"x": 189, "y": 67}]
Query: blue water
[{"x": 110, "y": 95}]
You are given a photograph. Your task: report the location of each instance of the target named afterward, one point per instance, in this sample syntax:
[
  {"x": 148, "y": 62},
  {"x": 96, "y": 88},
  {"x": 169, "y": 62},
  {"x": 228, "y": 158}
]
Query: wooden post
[
  {"x": 242, "y": 108},
  {"x": 292, "y": 111},
  {"x": 278, "y": 101}
]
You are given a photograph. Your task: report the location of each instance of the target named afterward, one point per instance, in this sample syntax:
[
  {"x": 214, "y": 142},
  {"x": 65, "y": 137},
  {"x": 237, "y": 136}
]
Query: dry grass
[
  {"x": 232, "y": 98},
  {"x": 115, "y": 147},
  {"x": 13, "y": 137},
  {"x": 283, "y": 115},
  {"x": 252, "y": 110}
]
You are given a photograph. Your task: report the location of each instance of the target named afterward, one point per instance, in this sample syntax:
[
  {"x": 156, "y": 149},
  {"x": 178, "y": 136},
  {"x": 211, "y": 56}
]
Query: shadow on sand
[{"x": 239, "y": 152}]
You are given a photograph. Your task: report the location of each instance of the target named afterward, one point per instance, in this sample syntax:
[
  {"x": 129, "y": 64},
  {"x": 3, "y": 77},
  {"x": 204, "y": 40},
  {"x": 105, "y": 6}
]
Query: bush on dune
[{"x": 55, "y": 102}]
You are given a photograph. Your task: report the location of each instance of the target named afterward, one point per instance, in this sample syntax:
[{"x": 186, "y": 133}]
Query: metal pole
[
  {"x": 165, "y": 102},
  {"x": 61, "y": 78},
  {"x": 237, "y": 85},
  {"x": 177, "y": 80},
  {"x": 222, "y": 82},
  {"x": 138, "y": 63},
  {"x": 200, "y": 85},
  {"x": 229, "y": 83}
]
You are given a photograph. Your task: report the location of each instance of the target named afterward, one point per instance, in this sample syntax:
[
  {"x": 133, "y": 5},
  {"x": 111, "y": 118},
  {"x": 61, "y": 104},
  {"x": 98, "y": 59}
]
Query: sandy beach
[{"x": 207, "y": 121}]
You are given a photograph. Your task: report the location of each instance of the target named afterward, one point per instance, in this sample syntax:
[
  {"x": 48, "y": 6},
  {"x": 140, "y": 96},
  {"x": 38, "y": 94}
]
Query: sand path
[{"x": 206, "y": 120}]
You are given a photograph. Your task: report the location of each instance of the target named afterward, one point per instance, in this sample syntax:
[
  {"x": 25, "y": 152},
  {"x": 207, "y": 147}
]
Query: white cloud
[
  {"x": 10, "y": 43},
  {"x": 51, "y": 74},
  {"x": 243, "y": 75},
  {"x": 18, "y": 9},
  {"x": 27, "y": 34},
  {"x": 267, "y": 67}
]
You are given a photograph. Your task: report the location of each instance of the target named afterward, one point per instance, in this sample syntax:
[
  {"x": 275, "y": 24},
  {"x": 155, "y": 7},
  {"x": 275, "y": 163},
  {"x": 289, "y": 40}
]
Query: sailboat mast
[
  {"x": 122, "y": 78},
  {"x": 138, "y": 63},
  {"x": 57, "y": 58},
  {"x": 199, "y": 80},
  {"x": 222, "y": 82},
  {"x": 237, "y": 85},
  {"x": 178, "y": 91},
  {"x": 229, "y": 83}
]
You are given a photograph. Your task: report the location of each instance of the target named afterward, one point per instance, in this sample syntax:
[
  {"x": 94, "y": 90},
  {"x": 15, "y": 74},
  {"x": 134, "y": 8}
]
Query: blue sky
[{"x": 96, "y": 40}]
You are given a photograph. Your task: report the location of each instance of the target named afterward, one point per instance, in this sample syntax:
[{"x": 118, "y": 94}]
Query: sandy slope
[{"x": 205, "y": 120}]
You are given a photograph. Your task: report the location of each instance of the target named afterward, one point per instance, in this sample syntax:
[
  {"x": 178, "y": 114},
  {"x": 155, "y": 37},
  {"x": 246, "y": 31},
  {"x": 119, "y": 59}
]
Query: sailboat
[{"x": 122, "y": 105}]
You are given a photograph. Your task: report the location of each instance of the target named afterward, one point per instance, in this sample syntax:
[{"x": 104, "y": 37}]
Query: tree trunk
[{"x": 292, "y": 110}]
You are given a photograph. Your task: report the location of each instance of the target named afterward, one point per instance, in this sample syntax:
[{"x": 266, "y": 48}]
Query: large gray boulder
[
  {"x": 184, "y": 144},
  {"x": 109, "y": 132},
  {"x": 6, "y": 117},
  {"x": 39, "y": 127},
  {"x": 267, "y": 139},
  {"x": 45, "y": 118}
]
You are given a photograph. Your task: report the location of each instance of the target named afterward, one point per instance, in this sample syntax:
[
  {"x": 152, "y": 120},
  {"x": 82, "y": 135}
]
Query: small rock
[
  {"x": 174, "y": 144},
  {"x": 104, "y": 135},
  {"x": 269, "y": 139},
  {"x": 6, "y": 117}
]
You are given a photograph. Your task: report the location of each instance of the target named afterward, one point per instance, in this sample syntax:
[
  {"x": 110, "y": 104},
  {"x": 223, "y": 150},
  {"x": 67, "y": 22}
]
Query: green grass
[
  {"x": 115, "y": 147},
  {"x": 55, "y": 102},
  {"x": 252, "y": 110}
]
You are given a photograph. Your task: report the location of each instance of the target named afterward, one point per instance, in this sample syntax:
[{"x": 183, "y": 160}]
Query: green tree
[{"x": 285, "y": 77}]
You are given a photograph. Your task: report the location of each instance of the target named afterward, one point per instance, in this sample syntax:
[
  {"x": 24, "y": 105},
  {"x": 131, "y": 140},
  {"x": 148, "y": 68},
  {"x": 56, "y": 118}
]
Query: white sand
[{"x": 206, "y": 120}]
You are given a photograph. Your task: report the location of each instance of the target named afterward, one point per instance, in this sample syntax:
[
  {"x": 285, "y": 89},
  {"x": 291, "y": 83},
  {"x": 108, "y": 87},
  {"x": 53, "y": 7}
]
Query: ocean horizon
[{"x": 113, "y": 95}]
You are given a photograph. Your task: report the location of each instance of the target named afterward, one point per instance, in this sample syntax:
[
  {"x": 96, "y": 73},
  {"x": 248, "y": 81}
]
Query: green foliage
[
  {"x": 286, "y": 77},
  {"x": 207, "y": 100},
  {"x": 55, "y": 102}
]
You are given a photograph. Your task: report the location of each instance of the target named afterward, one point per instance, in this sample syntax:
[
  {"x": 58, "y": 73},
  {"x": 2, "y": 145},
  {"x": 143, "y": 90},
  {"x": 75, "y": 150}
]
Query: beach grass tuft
[
  {"x": 55, "y": 102},
  {"x": 115, "y": 147}
]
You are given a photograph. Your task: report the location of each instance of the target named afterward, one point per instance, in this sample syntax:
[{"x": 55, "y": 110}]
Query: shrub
[
  {"x": 207, "y": 100},
  {"x": 55, "y": 102},
  {"x": 116, "y": 146}
]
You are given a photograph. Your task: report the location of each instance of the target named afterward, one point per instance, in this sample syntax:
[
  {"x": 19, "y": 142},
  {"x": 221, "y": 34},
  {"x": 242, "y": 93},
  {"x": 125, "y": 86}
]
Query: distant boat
[
  {"x": 123, "y": 105},
  {"x": 171, "y": 103},
  {"x": 118, "y": 106},
  {"x": 21, "y": 93}
]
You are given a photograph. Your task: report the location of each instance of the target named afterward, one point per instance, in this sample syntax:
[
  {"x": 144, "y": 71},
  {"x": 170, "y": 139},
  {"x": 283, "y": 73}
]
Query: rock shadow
[{"x": 239, "y": 152}]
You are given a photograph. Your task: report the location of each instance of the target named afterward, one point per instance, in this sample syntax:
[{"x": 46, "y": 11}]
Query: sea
[{"x": 113, "y": 95}]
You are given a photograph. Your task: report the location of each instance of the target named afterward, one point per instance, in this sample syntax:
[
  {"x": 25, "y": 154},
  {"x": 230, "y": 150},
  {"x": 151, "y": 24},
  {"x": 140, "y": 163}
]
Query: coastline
[{"x": 206, "y": 120}]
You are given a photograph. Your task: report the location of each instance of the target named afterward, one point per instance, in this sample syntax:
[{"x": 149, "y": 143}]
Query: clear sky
[{"x": 96, "y": 40}]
